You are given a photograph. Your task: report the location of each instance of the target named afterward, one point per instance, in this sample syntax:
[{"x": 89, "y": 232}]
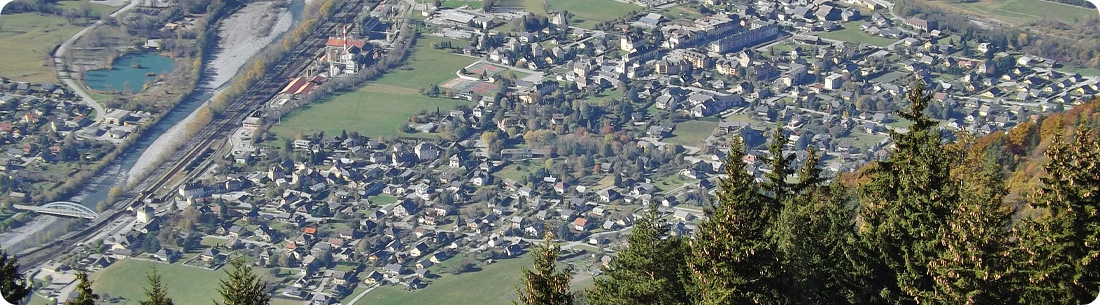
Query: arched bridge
[{"x": 61, "y": 208}]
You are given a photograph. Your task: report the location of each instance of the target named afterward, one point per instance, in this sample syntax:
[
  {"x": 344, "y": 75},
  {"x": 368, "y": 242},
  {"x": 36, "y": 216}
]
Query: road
[
  {"x": 59, "y": 63},
  {"x": 198, "y": 147},
  {"x": 363, "y": 294}
]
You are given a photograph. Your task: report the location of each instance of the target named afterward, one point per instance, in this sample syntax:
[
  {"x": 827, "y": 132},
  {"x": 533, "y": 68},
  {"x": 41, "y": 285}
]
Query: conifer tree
[
  {"x": 905, "y": 204},
  {"x": 814, "y": 231},
  {"x": 732, "y": 259},
  {"x": 972, "y": 267},
  {"x": 12, "y": 283},
  {"x": 85, "y": 296},
  {"x": 1059, "y": 251},
  {"x": 545, "y": 285},
  {"x": 243, "y": 287},
  {"x": 156, "y": 293},
  {"x": 652, "y": 270},
  {"x": 776, "y": 181}
]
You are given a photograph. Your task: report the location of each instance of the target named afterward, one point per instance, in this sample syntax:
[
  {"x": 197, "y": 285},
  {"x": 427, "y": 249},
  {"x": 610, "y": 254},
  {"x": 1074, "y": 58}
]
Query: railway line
[{"x": 291, "y": 65}]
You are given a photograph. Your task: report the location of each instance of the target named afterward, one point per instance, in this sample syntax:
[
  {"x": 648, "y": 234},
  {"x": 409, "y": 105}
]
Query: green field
[
  {"x": 428, "y": 66},
  {"x": 101, "y": 9},
  {"x": 511, "y": 172},
  {"x": 370, "y": 113},
  {"x": 1026, "y": 10},
  {"x": 381, "y": 107},
  {"x": 604, "y": 95},
  {"x": 691, "y": 133},
  {"x": 186, "y": 285},
  {"x": 1087, "y": 71},
  {"x": 494, "y": 284},
  {"x": 684, "y": 12},
  {"x": 586, "y": 13},
  {"x": 26, "y": 41},
  {"x": 852, "y": 33},
  {"x": 382, "y": 199},
  {"x": 458, "y": 3}
]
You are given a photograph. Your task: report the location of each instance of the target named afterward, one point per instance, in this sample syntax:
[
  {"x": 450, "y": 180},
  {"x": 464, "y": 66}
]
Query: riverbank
[{"x": 237, "y": 49}]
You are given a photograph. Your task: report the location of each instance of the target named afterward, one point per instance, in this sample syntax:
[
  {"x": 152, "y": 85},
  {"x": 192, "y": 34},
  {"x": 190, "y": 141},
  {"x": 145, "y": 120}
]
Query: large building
[{"x": 744, "y": 39}]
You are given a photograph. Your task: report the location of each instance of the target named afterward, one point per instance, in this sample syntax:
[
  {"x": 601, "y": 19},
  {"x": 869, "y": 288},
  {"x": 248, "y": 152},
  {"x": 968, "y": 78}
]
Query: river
[{"x": 215, "y": 76}]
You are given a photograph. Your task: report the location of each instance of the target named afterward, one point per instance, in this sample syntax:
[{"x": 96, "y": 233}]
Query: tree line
[
  {"x": 242, "y": 287},
  {"x": 929, "y": 225}
]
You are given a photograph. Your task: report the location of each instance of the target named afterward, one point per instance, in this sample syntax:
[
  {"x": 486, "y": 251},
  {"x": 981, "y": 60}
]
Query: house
[
  {"x": 210, "y": 254},
  {"x": 423, "y": 273},
  {"x": 418, "y": 250},
  {"x": 920, "y": 24},
  {"x": 683, "y": 215},
  {"x": 373, "y": 278},
  {"x": 580, "y": 224},
  {"x": 405, "y": 208},
  {"x": 607, "y": 195},
  {"x": 166, "y": 255},
  {"x": 393, "y": 269},
  {"x": 438, "y": 257}
]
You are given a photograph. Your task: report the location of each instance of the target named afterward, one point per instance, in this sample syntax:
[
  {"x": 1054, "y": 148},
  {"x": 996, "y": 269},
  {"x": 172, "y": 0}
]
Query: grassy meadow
[
  {"x": 691, "y": 133},
  {"x": 27, "y": 40},
  {"x": 186, "y": 285},
  {"x": 852, "y": 33},
  {"x": 494, "y": 284},
  {"x": 380, "y": 107}
]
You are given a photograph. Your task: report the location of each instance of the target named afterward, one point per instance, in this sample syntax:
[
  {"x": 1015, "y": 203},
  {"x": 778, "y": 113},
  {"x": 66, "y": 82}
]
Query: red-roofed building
[
  {"x": 580, "y": 224},
  {"x": 294, "y": 85},
  {"x": 339, "y": 42},
  {"x": 299, "y": 86}
]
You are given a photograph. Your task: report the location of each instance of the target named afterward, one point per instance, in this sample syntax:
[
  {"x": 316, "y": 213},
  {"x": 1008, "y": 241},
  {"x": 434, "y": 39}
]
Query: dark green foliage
[
  {"x": 776, "y": 180},
  {"x": 814, "y": 231},
  {"x": 157, "y": 294},
  {"x": 12, "y": 283},
  {"x": 242, "y": 287},
  {"x": 545, "y": 285},
  {"x": 932, "y": 224},
  {"x": 733, "y": 261},
  {"x": 973, "y": 267},
  {"x": 1059, "y": 252},
  {"x": 85, "y": 296},
  {"x": 906, "y": 203},
  {"x": 652, "y": 270}
]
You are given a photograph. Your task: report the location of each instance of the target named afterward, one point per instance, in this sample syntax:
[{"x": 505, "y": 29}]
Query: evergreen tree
[
  {"x": 776, "y": 181},
  {"x": 12, "y": 283},
  {"x": 545, "y": 285},
  {"x": 732, "y": 260},
  {"x": 652, "y": 270},
  {"x": 1059, "y": 252},
  {"x": 85, "y": 296},
  {"x": 157, "y": 294},
  {"x": 242, "y": 287},
  {"x": 973, "y": 266},
  {"x": 814, "y": 232},
  {"x": 906, "y": 202}
]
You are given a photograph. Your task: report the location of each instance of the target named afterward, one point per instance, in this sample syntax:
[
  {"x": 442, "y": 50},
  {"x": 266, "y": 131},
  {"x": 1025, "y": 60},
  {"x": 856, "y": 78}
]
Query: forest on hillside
[{"x": 1009, "y": 218}]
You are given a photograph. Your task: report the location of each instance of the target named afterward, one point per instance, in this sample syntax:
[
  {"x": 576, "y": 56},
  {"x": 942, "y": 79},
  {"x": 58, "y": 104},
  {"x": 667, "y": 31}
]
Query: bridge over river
[{"x": 61, "y": 208}]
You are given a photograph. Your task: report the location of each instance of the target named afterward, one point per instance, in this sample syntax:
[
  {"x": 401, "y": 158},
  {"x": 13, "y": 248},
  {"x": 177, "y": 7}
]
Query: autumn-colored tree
[{"x": 1058, "y": 253}]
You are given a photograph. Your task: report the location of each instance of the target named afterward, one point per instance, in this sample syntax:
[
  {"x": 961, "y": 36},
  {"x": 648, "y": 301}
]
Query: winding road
[{"x": 59, "y": 63}]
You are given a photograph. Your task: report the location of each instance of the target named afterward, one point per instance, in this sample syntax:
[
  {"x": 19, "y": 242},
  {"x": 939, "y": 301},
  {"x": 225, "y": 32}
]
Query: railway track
[{"x": 266, "y": 88}]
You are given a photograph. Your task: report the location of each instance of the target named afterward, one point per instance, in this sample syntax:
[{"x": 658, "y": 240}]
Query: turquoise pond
[{"x": 130, "y": 72}]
